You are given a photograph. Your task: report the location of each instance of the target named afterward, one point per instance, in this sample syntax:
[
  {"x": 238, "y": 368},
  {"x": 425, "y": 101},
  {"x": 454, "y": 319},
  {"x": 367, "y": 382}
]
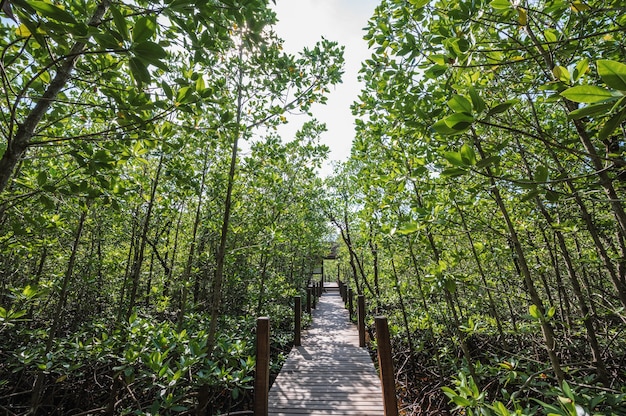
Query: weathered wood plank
[{"x": 329, "y": 374}]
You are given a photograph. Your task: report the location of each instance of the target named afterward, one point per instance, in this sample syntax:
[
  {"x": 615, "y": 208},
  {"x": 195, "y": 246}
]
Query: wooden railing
[{"x": 385, "y": 361}]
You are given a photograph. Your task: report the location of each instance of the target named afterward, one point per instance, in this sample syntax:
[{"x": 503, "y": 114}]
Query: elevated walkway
[{"x": 329, "y": 374}]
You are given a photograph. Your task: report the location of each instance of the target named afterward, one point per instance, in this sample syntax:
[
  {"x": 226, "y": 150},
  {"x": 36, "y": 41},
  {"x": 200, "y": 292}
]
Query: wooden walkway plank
[{"x": 328, "y": 374}]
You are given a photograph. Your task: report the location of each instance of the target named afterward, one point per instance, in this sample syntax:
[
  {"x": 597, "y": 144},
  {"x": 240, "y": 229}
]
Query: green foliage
[
  {"x": 134, "y": 137},
  {"x": 483, "y": 129}
]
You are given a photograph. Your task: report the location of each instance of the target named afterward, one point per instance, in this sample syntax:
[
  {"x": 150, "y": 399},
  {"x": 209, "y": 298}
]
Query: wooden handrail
[
  {"x": 385, "y": 364},
  {"x": 262, "y": 370},
  {"x": 297, "y": 309},
  {"x": 308, "y": 300},
  {"x": 350, "y": 303},
  {"x": 361, "y": 320}
]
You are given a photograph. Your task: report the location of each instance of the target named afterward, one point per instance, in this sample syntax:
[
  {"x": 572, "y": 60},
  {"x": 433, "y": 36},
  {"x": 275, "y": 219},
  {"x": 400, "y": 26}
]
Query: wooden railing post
[
  {"x": 297, "y": 309},
  {"x": 350, "y": 304},
  {"x": 319, "y": 289},
  {"x": 262, "y": 371},
  {"x": 361, "y": 320},
  {"x": 308, "y": 300},
  {"x": 314, "y": 297},
  {"x": 385, "y": 364}
]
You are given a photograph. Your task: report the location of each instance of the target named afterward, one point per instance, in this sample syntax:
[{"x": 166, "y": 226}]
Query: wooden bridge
[{"x": 328, "y": 374}]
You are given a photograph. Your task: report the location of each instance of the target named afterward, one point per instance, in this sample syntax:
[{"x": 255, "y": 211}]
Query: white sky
[{"x": 303, "y": 23}]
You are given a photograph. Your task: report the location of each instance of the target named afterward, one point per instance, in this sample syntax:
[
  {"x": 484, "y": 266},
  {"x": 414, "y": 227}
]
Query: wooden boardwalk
[{"x": 329, "y": 374}]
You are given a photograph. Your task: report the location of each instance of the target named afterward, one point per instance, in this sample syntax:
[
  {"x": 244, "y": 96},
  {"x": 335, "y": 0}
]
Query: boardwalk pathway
[{"x": 329, "y": 374}]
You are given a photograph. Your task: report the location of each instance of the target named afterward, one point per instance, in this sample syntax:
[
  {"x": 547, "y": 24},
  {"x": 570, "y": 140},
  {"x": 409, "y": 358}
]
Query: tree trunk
[
  {"x": 136, "y": 271},
  {"x": 58, "y": 312},
  {"x": 546, "y": 327},
  {"x": 481, "y": 272}
]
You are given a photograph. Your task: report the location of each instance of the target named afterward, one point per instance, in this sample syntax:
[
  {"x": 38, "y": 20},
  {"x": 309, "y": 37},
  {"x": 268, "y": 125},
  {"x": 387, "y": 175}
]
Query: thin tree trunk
[
  {"x": 588, "y": 318},
  {"x": 136, "y": 273},
  {"x": 129, "y": 261},
  {"x": 405, "y": 318},
  {"x": 58, "y": 312},
  {"x": 220, "y": 257},
  {"x": 192, "y": 247},
  {"x": 546, "y": 327},
  {"x": 481, "y": 272}
]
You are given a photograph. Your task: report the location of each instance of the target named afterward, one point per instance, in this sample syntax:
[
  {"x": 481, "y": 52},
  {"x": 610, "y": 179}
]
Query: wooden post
[
  {"x": 361, "y": 320},
  {"x": 344, "y": 293},
  {"x": 350, "y": 304},
  {"x": 319, "y": 289},
  {"x": 297, "y": 309},
  {"x": 314, "y": 292},
  {"x": 262, "y": 372},
  {"x": 308, "y": 300},
  {"x": 385, "y": 364}
]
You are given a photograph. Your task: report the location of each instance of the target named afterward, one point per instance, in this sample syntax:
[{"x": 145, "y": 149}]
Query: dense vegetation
[
  {"x": 139, "y": 240},
  {"x": 483, "y": 205},
  {"x": 149, "y": 211}
]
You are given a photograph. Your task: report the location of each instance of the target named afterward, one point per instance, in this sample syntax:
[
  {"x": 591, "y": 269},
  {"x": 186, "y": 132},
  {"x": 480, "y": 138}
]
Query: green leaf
[
  {"x": 551, "y": 312},
  {"x": 612, "y": 73},
  {"x": 29, "y": 292},
  {"x": 42, "y": 178},
  {"x": 477, "y": 102},
  {"x": 417, "y": 4},
  {"x": 589, "y": 110},
  {"x": 167, "y": 90},
  {"x": 587, "y": 94},
  {"x": 139, "y": 70},
  {"x": 552, "y": 196},
  {"x": 613, "y": 123},
  {"x": 453, "y": 172},
  {"x": 407, "y": 228},
  {"x": 500, "y": 4},
  {"x": 148, "y": 51},
  {"x": 541, "y": 174},
  {"x": 567, "y": 390},
  {"x": 453, "y": 124},
  {"x": 435, "y": 71},
  {"x": 183, "y": 95},
  {"x": 530, "y": 195},
  {"x": 501, "y": 108},
  {"x": 454, "y": 158},
  {"x": 582, "y": 67},
  {"x": 200, "y": 85},
  {"x": 450, "y": 285},
  {"x": 551, "y": 35},
  {"x": 460, "y": 104},
  {"x": 442, "y": 127},
  {"x": 488, "y": 161},
  {"x": 468, "y": 155},
  {"x": 534, "y": 311},
  {"x": 120, "y": 22},
  {"x": 561, "y": 73},
  {"x": 144, "y": 29},
  {"x": 51, "y": 11}
]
